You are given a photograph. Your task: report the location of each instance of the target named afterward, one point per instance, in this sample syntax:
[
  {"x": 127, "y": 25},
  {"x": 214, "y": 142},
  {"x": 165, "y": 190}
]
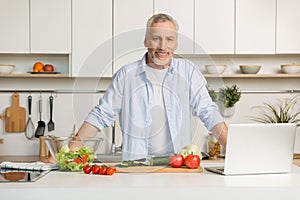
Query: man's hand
[
  {"x": 220, "y": 132},
  {"x": 50, "y": 159}
]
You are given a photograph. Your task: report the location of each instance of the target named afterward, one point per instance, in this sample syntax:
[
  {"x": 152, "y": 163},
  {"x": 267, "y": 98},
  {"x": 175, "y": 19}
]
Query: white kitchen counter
[{"x": 73, "y": 185}]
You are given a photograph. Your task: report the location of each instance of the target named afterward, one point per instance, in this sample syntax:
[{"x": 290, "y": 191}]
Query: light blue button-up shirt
[{"x": 130, "y": 97}]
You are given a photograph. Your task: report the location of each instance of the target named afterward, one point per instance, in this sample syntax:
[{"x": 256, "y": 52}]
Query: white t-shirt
[{"x": 160, "y": 142}]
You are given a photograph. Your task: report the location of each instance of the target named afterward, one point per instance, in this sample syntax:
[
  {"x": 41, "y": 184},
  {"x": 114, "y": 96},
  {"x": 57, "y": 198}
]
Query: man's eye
[
  {"x": 156, "y": 38},
  {"x": 170, "y": 39}
]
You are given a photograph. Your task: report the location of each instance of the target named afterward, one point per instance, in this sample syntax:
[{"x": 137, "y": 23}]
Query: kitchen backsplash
[{"x": 72, "y": 108}]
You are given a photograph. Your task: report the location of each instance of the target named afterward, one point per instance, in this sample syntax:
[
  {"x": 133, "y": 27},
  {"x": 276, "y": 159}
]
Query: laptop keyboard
[{"x": 221, "y": 169}]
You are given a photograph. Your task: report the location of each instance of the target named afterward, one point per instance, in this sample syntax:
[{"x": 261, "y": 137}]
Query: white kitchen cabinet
[
  {"x": 14, "y": 23},
  {"x": 214, "y": 26},
  {"x": 130, "y": 18},
  {"x": 50, "y": 23},
  {"x": 255, "y": 26},
  {"x": 183, "y": 13},
  {"x": 92, "y": 38},
  {"x": 288, "y": 27}
]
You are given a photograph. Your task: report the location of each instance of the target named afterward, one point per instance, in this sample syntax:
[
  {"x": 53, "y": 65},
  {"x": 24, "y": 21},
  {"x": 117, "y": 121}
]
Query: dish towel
[{"x": 38, "y": 166}]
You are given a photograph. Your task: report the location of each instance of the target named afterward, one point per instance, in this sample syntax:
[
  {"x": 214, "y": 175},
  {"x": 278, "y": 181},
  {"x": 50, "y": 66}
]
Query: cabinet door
[
  {"x": 183, "y": 13},
  {"x": 130, "y": 18},
  {"x": 50, "y": 26},
  {"x": 214, "y": 26},
  {"x": 14, "y": 23},
  {"x": 255, "y": 26},
  {"x": 288, "y": 26},
  {"x": 92, "y": 38}
]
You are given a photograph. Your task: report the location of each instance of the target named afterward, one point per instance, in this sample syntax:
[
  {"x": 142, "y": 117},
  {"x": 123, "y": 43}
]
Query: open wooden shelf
[
  {"x": 252, "y": 75},
  {"x": 34, "y": 75}
]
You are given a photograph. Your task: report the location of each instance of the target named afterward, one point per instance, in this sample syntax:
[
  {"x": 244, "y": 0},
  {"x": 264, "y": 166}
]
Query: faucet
[{"x": 114, "y": 148}]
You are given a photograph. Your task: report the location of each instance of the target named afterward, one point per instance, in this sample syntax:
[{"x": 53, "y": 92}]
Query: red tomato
[
  {"x": 96, "y": 169},
  {"x": 84, "y": 158},
  {"x": 192, "y": 161},
  {"x": 176, "y": 161},
  {"x": 114, "y": 168},
  {"x": 111, "y": 170},
  {"x": 102, "y": 170},
  {"x": 87, "y": 169},
  {"x": 77, "y": 160}
]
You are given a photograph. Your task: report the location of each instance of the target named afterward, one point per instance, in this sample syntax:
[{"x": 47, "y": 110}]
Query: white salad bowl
[
  {"x": 290, "y": 68},
  {"x": 215, "y": 69}
]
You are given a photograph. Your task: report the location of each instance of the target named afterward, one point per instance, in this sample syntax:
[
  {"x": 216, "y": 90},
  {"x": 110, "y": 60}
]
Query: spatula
[
  {"x": 40, "y": 130},
  {"x": 51, "y": 123}
]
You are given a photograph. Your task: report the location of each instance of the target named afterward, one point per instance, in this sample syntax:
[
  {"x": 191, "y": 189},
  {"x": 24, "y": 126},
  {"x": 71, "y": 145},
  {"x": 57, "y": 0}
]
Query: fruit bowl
[
  {"x": 215, "y": 69},
  {"x": 250, "y": 69},
  {"x": 6, "y": 69},
  {"x": 290, "y": 68},
  {"x": 73, "y": 153}
]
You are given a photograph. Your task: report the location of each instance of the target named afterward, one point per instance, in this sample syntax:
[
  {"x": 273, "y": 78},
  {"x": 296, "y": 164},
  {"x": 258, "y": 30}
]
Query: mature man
[{"x": 154, "y": 98}]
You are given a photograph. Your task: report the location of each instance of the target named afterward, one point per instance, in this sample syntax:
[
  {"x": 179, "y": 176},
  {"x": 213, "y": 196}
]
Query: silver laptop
[{"x": 258, "y": 149}]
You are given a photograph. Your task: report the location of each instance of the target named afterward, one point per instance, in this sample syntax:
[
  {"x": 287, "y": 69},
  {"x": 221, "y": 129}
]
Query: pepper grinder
[{"x": 43, "y": 148}]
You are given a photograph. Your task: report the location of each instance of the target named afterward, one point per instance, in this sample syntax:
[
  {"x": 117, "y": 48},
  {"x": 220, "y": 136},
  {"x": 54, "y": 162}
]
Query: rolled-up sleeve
[
  {"x": 202, "y": 105},
  {"x": 103, "y": 115}
]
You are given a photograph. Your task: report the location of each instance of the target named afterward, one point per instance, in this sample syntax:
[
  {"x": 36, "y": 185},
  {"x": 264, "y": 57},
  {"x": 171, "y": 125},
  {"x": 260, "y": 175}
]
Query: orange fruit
[{"x": 38, "y": 66}]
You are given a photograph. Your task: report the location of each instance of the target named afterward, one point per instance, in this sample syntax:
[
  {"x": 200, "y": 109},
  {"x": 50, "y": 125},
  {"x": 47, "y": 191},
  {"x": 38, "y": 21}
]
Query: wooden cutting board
[
  {"x": 15, "y": 116},
  {"x": 157, "y": 169}
]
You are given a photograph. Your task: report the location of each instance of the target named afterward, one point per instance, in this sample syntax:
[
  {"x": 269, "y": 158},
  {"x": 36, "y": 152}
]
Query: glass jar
[{"x": 213, "y": 146}]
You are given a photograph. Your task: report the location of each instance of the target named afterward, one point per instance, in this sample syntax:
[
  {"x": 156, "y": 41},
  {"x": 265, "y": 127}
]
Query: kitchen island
[{"x": 76, "y": 185}]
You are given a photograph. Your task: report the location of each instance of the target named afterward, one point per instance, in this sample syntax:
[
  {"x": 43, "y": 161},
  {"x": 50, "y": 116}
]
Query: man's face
[{"x": 161, "y": 42}]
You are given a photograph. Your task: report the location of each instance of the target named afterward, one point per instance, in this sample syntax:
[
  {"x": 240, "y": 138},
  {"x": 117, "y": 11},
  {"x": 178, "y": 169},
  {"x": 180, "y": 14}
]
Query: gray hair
[{"x": 160, "y": 17}]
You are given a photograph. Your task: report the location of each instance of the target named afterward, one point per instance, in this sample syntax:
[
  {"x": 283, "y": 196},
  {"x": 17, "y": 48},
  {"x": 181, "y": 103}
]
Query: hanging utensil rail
[
  {"x": 54, "y": 91},
  {"x": 102, "y": 91}
]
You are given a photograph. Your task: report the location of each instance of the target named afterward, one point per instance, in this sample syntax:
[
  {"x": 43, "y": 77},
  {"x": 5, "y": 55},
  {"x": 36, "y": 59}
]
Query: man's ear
[{"x": 146, "y": 43}]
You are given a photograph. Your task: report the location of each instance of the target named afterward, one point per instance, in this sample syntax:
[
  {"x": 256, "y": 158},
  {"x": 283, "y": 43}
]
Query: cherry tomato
[
  {"x": 84, "y": 158},
  {"x": 192, "y": 161},
  {"x": 96, "y": 169},
  {"x": 110, "y": 170},
  {"x": 87, "y": 169},
  {"x": 77, "y": 160},
  {"x": 176, "y": 161},
  {"x": 102, "y": 170}
]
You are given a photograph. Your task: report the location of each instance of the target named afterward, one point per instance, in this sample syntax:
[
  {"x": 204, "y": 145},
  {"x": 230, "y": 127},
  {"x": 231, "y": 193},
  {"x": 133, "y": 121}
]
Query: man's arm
[{"x": 87, "y": 130}]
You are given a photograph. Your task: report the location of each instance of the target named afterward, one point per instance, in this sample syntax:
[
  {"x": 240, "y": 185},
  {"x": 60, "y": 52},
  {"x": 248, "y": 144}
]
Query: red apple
[{"x": 48, "y": 68}]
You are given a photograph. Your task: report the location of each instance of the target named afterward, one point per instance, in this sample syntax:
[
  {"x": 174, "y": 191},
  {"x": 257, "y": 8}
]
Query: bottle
[{"x": 43, "y": 148}]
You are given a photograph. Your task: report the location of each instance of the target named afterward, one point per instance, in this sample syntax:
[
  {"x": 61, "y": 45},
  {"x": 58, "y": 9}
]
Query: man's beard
[{"x": 159, "y": 62}]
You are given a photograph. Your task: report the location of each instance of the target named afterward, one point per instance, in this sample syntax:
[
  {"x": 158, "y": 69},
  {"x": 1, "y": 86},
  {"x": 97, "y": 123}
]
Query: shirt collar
[{"x": 142, "y": 65}]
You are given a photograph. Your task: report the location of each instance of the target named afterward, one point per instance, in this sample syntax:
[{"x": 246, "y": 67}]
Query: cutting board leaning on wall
[{"x": 15, "y": 116}]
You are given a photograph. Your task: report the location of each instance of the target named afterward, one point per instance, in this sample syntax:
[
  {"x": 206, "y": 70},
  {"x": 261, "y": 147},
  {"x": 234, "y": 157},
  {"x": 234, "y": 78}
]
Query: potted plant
[
  {"x": 213, "y": 95},
  {"x": 282, "y": 112},
  {"x": 228, "y": 96}
]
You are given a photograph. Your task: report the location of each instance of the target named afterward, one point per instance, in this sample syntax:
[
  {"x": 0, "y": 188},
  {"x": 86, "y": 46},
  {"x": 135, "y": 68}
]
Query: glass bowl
[{"x": 73, "y": 153}]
